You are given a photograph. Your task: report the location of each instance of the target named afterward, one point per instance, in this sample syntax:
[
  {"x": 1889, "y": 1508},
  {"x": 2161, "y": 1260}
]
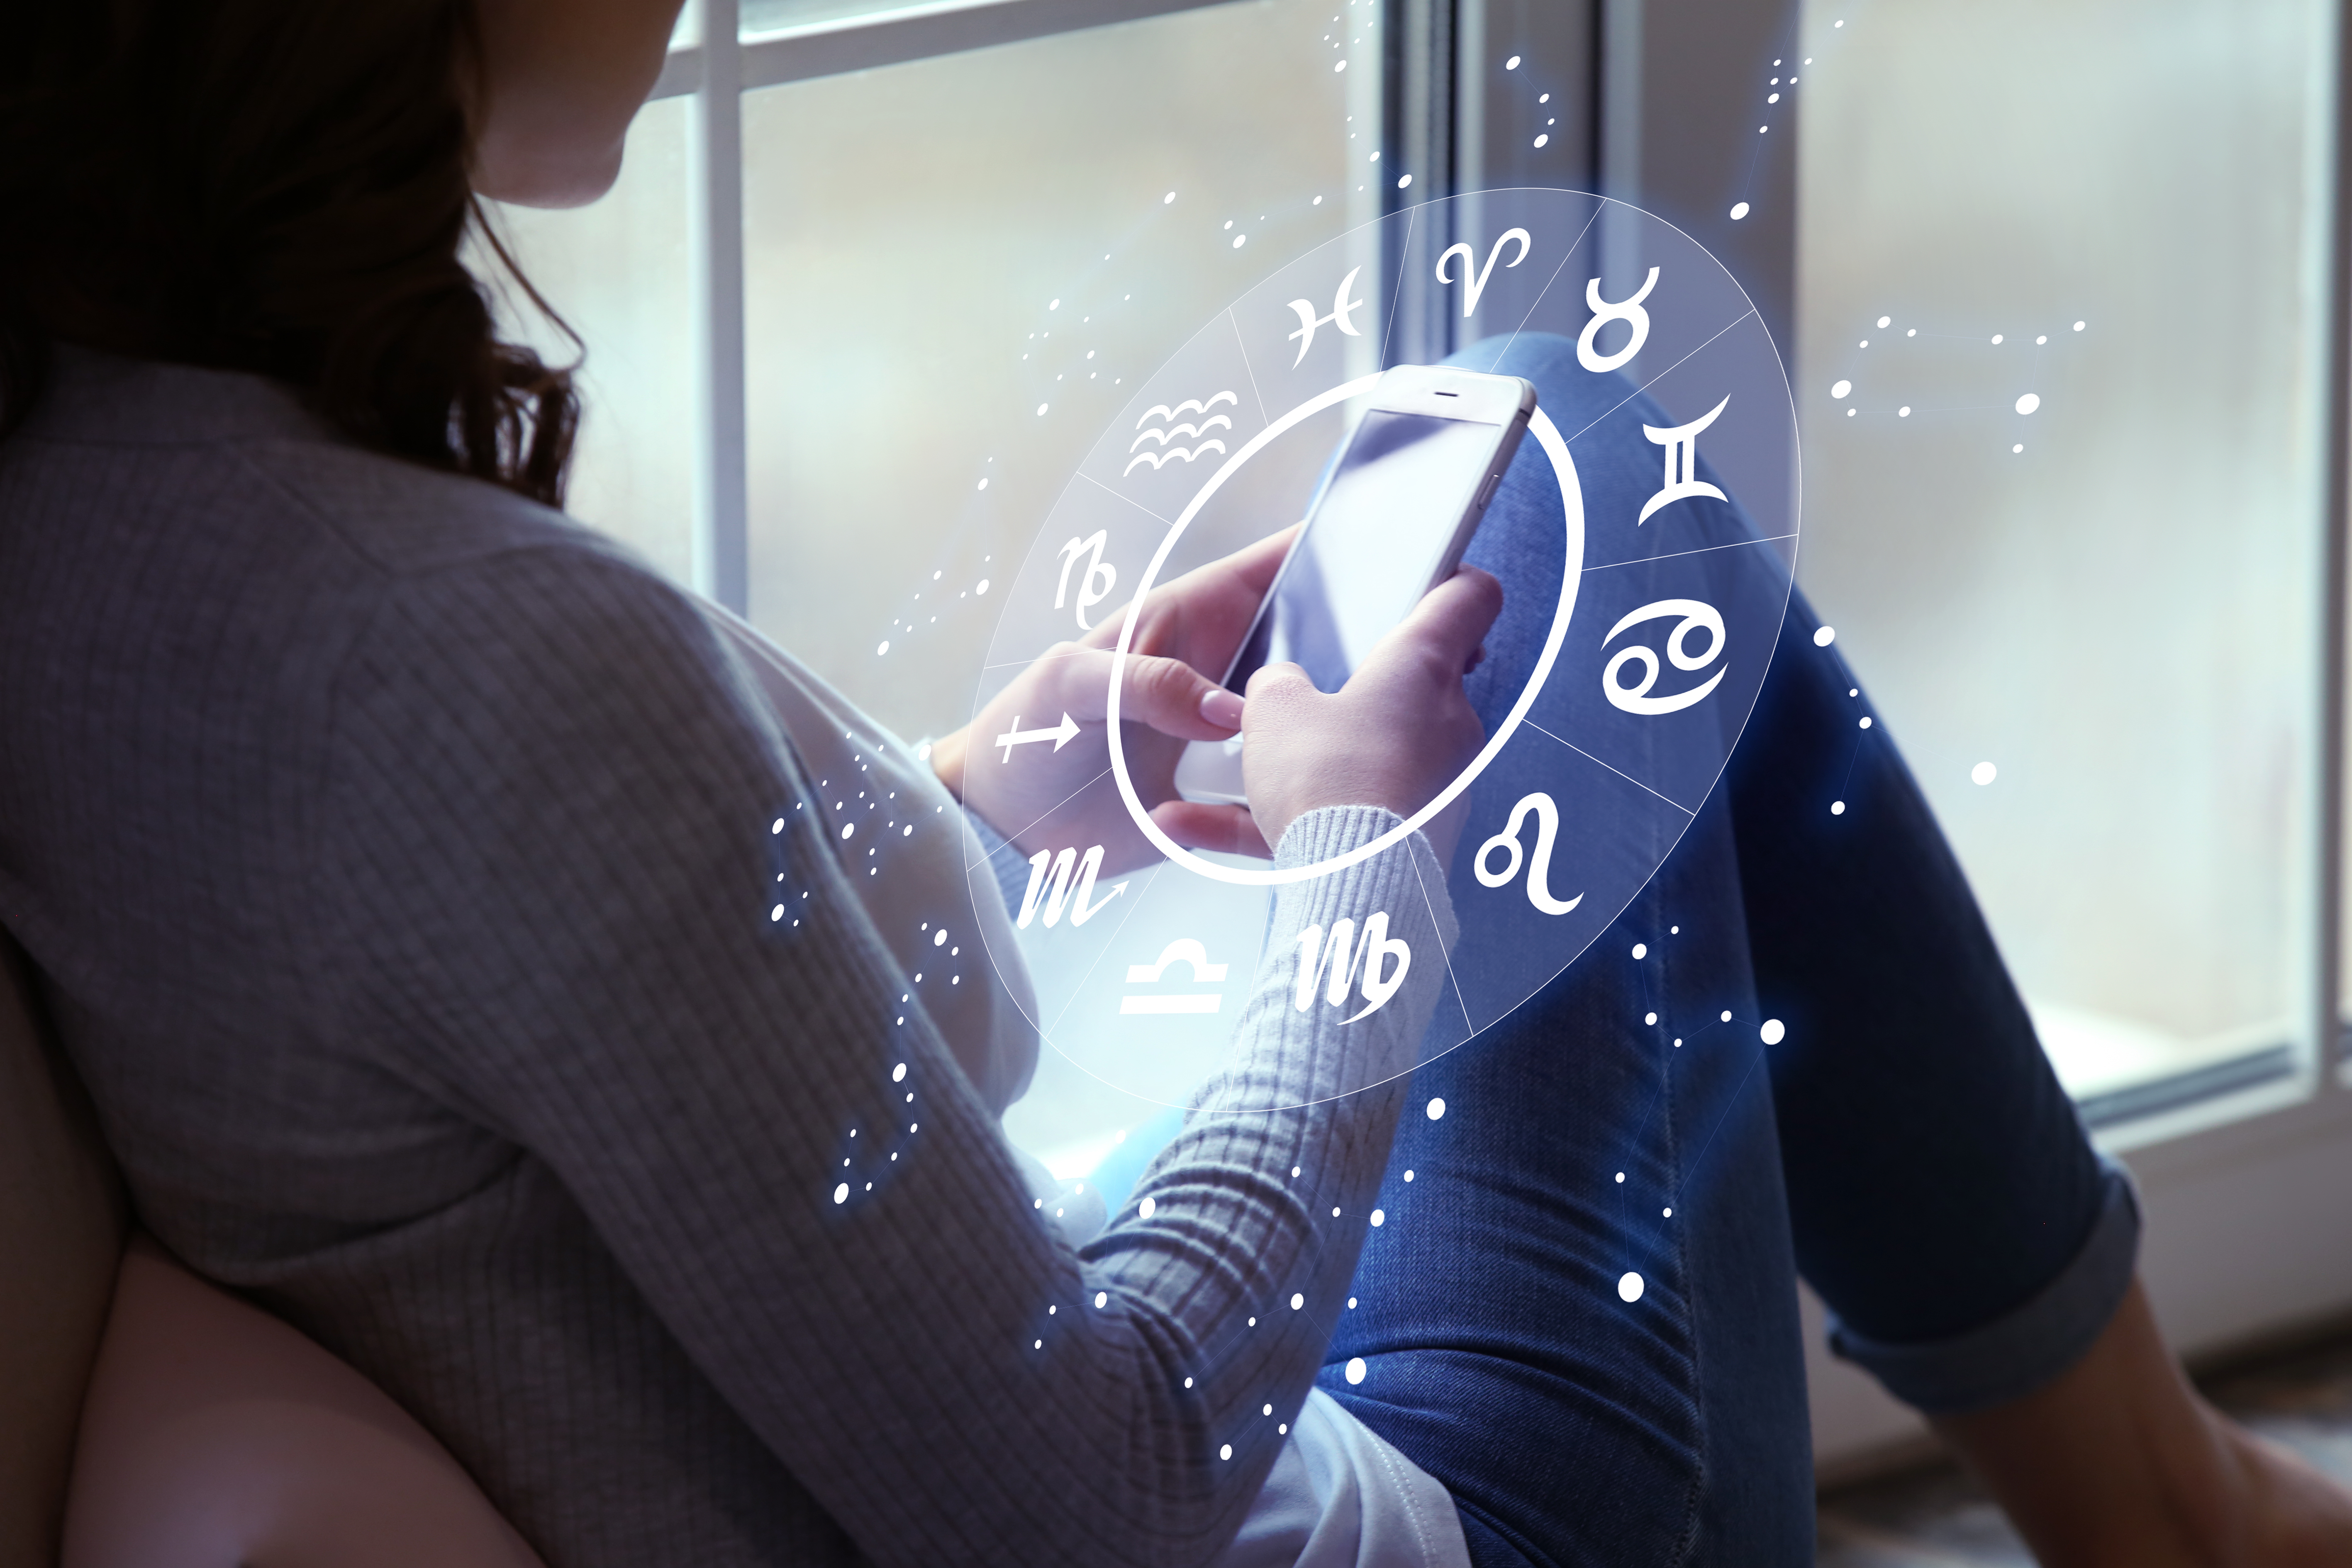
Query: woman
[{"x": 430, "y": 897}]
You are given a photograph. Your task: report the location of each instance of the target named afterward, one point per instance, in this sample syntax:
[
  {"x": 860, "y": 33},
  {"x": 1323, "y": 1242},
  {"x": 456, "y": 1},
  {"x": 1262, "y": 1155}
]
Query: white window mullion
[
  {"x": 2335, "y": 197},
  {"x": 721, "y": 503}
]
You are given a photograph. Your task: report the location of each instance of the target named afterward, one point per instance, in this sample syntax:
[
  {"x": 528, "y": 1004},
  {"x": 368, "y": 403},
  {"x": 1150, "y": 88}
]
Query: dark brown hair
[{"x": 273, "y": 187}]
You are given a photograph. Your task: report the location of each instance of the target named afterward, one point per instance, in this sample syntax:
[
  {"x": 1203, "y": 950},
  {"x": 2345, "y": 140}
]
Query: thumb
[
  {"x": 1447, "y": 627},
  {"x": 1198, "y": 825}
]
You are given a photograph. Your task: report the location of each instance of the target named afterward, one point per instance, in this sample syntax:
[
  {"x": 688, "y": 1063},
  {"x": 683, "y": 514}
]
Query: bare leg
[{"x": 2120, "y": 1462}]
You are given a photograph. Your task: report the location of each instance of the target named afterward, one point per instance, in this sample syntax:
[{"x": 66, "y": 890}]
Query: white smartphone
[{"x": 1389, "y": 521}]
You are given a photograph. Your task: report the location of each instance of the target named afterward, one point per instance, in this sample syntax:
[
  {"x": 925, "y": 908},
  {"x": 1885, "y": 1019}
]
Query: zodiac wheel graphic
[{"x": 1658, "y": 616}]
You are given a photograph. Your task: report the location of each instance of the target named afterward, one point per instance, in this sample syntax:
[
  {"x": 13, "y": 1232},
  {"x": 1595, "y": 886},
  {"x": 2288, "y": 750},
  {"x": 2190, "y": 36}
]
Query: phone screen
[{"x": 1385, "y": 519}]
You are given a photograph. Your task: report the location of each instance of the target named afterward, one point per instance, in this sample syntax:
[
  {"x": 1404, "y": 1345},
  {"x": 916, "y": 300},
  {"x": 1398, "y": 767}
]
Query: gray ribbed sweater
[{"x": 398, "y": 857}]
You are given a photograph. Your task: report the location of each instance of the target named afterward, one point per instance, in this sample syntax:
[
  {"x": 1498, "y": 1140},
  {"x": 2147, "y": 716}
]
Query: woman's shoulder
[
  {"x": 220, "y": 514},
  {"x": 195, "y": 457}
]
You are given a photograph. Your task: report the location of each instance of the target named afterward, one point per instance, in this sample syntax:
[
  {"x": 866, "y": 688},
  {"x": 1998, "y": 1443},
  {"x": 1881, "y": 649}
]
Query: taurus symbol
[
  {"x": 1474, "y": 284},
  {"x": 1628, "y": 311}
]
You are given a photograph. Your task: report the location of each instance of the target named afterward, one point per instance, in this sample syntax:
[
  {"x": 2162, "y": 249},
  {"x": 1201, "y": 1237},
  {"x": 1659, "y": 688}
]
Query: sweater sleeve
[{"x": 561, "y": 883}]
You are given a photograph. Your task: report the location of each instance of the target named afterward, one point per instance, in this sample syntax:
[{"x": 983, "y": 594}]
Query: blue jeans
[{"x": 1905, "y": 1147}]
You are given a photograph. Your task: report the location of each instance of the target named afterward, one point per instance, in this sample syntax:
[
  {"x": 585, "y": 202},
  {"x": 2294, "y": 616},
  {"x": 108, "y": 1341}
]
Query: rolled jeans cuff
[{"x": 2027, "y": 1347}]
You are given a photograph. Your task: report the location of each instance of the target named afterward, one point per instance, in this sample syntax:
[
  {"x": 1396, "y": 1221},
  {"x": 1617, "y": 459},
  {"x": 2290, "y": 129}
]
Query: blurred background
[{"x": 2053, "y": 284}]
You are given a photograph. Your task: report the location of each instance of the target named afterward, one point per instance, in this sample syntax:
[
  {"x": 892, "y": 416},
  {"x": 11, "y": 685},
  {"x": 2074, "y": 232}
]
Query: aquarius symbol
[
  {"x": 1164, "y": 436},
  {"x": 1695, "y": 614},
  {"x": 1343, "y": 309},
  {"x": 1475, "y": 284},
  {"x": 1167, "y": 454},
  {"x": 1341, "y": 956},
  {"x": 1097, "y": 570},
  {"x": 1546, "y": 817},
  {"x": 1050, "y": 890},
  {"x": 1629, "y": 311},
  {"x": 1157, "y": 459},
  {"x": 1190, "y": 405}
]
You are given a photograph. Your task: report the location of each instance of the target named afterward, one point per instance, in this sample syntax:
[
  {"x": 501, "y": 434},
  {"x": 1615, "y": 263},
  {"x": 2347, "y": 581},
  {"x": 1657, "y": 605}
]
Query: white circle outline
[{"x": 1548, "y": 436}]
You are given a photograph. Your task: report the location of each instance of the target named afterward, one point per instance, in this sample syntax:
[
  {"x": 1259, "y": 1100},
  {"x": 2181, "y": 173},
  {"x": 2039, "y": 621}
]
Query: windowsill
[{"x": 2119, "y": 1070}]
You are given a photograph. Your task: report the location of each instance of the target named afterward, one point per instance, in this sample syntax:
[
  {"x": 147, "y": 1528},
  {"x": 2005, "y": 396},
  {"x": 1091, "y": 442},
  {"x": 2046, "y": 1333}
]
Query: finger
[
  {"x": 1248, "y": 571},
  {"x": 1104, "y": 632},
  {"x": 1447, "y": 627},
  {"x": 1253, "y": 567},
  {"x": 1198, "y": 825},
  {"x": 1226, "y": 590},
  {"x": 1273, "y": 684},
  {"x": 1174, "y": 698},
  {"x": 1168, "y": 695}
]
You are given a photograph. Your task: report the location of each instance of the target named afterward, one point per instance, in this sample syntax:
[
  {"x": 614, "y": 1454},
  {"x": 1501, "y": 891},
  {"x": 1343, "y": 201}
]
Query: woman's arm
[{"x": 549, "y": 865}]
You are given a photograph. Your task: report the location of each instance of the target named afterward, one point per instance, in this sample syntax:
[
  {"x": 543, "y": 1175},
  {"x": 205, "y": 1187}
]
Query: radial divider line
[
  {"x": 1048, "y": 811},
  {"x": 1396, "y": 291},
  {"x": 1450, "y": 978},
  {"x": 1677, "y": 554},
  {"x": 1130, "y": 500},
  {"x": 1247, "y": 369},
  {"x": 1025, "y": 663},
  {"x": 1566, "y": 256},
  {"x": 1621, "y": 773},
  {"x": 1662, "y": 375},
  {"x": 1046, "y": 1031}
]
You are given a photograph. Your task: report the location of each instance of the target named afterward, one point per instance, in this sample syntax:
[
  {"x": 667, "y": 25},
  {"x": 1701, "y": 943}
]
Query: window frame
[
  {"x": 716, "y": 71},
  {"x": 2240, "y": 1171}
]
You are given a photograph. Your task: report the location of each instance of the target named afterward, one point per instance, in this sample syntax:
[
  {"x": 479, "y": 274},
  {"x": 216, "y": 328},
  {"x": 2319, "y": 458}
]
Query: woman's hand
[
  {"x": 1396, "y": 734},
  {"x": 1183, "y": 628}
]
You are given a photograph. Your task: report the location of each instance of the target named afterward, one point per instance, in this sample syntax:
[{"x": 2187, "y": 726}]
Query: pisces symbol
[
  {"x": 1474, "y": 284},
  {"x": 1343, "y": 310}
]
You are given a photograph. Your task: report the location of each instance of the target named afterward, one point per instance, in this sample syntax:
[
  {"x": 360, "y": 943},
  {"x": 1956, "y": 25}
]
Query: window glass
[
  {"x": 616, "y": 272},
  {"x": 2064, "y": 509},
  {"x": 957, "y": 268},
  {"x": 764, "y": 16}
]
